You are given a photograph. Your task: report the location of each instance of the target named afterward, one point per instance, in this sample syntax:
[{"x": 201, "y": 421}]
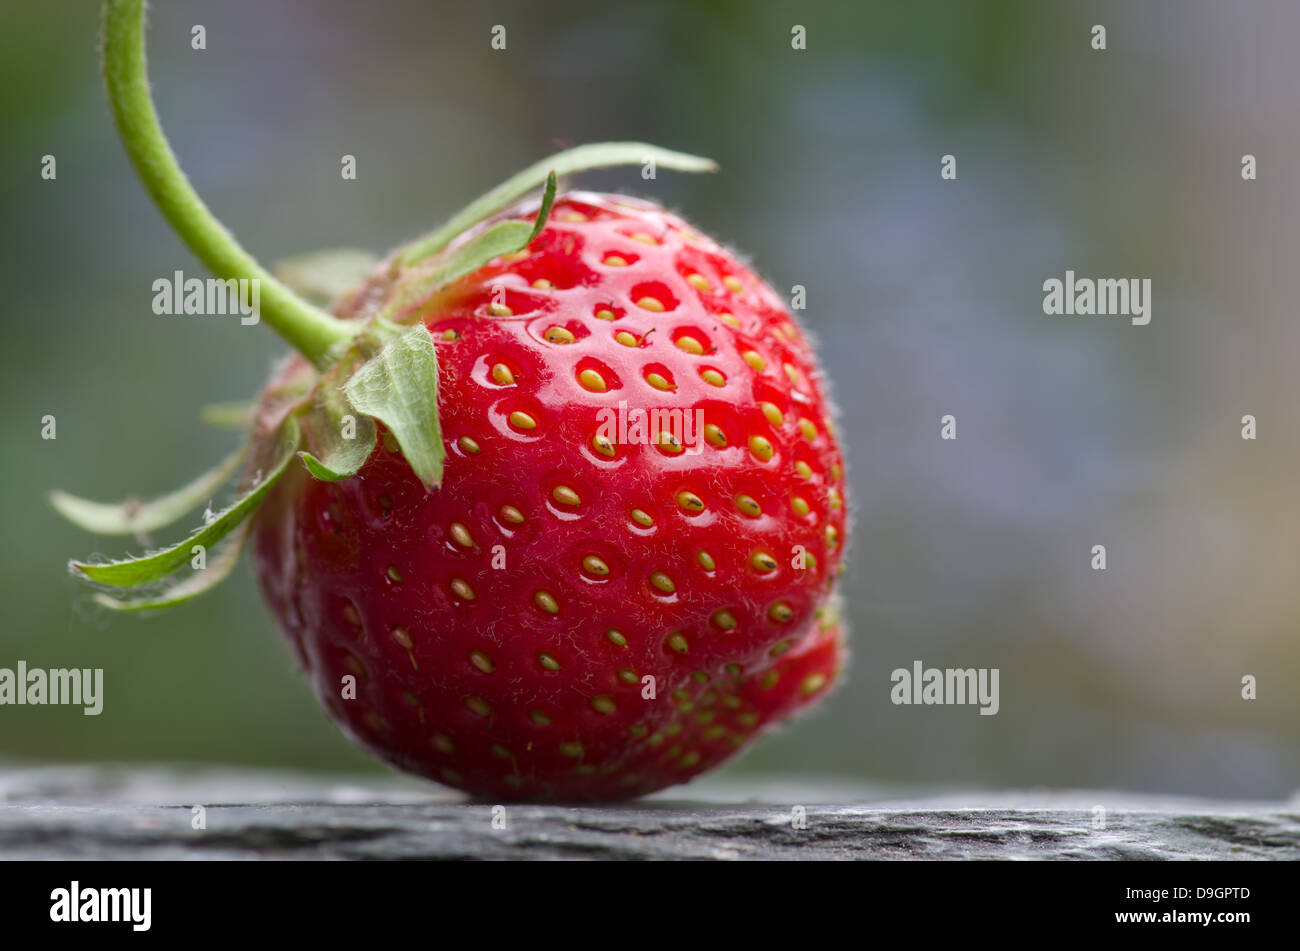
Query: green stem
[{"x": 310, "y": 330}]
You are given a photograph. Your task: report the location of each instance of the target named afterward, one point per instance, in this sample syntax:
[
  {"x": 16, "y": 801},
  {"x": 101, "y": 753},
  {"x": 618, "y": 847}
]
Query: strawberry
[
  {"x": 549, "y": 504},
  {"x": 506, "y": 630}
]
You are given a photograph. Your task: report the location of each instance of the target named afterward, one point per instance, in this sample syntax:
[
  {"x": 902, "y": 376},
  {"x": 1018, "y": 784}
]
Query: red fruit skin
[{"x": 462, "y": 674}]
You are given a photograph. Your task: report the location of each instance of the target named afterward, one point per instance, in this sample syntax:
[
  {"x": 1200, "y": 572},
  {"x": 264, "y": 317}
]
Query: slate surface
[{"x": 147, "y": 812}]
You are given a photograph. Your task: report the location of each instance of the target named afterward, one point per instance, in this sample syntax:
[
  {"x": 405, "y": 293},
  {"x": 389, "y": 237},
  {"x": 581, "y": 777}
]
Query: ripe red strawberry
[
  {"x": 501, "y": 629},
  {"x": 570, "y": 506}
]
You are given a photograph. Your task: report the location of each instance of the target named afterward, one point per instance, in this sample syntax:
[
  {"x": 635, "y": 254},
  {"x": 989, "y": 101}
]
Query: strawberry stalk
[{"x": 308, "y": 329}]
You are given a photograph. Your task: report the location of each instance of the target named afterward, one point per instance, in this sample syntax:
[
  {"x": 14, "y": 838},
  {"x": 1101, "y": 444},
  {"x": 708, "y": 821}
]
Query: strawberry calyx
[{"x": 375, "y": 367}]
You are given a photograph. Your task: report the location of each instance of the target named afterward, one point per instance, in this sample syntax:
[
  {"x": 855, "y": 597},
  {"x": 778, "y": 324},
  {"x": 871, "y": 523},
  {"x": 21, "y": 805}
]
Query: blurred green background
[{"x": 925, "y": 294}]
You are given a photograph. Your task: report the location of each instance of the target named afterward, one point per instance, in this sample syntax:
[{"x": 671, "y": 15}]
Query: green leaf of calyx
[
  {"x": 399, "y": 387},
  {"x": 133, "y": 517},
  {"x": 333, "y": 467},
  {"x": 596, "y": 155},
  {"x": 153, "y": 567},
  {"x": 338, "y": 436},
  {"x": 324, "y": 276},
  {"x": 544, "y": 212},
  {"x": 183, "y": 588},
  {"x": 502, "y": 238},
  {"x": 505, "y": 237}
]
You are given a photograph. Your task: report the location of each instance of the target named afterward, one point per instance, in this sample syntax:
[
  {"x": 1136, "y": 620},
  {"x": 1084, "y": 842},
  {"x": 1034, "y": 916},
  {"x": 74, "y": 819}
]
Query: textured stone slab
[{"x": 147, "y": 813}]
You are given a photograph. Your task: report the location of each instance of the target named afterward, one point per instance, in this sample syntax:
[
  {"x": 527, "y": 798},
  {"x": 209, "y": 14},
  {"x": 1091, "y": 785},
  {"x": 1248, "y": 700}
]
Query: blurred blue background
[{"x": 926, "y": 296}]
